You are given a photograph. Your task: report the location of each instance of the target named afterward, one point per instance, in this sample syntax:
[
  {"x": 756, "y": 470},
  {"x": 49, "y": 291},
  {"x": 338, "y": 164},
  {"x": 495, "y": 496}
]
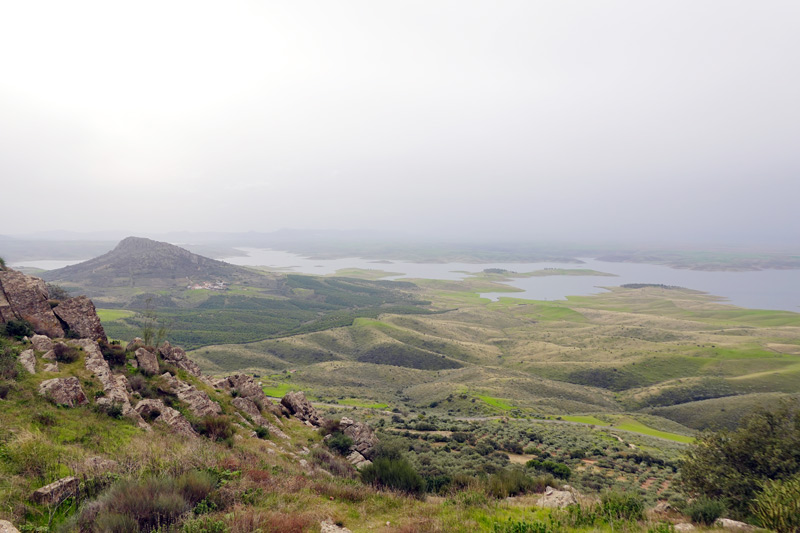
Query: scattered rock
[
  {"x": 52, "y": 367},
  {"x": 249, "y": 407},
  {"x": 63, "y": 391},
  {"x": 49, "y": 355},
  {"x": 147, "y": 361},
  {"x": 56, "y": 492},
  {"x": 198, "y": 401},
  {"x": 80, "y": 315},
  {"x": 556, "y": 499},
  {"x": 42, "y": 343},
  {"x": 99, "y": 465},
  {"x": 26, "y": 297},
  {"x": 28, "y": 361},
  {"x": 156, "y": 411},
  {"x": 115, "y": 387},
  {"x": 358, "y": 460},
  {"x": 327, "y": 526},
  {"x": 7, "y": 527},
  {"x": 134, "y": 345},
  {"x": 733, "y": 525},
  {"x": 177, "y": 357},
  {"x": 295, "y": 404},
  {"x": 684, "y": 526},
  {"x": 364, "y": 440},
  {"x": 662, "y": 508}
]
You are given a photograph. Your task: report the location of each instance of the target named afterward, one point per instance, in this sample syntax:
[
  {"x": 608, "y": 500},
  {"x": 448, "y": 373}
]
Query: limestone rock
[
  {"x": 147, "y": 361},
  {"x": 556, "y": 499},
  {"x": 134, "y": 345},
  {"x": 63, "y": 391},
  {"x": 244, "y": 385},
  {"x": 115, "y": 387},
  {"x": 733, "y": 525},
  {"x": 177, "y": 357},
  {"x": 249, "y": 407},
  {"x": 295, "y": 404},
  {"x": 42, "y": 343},
  {"x": 364, "y": 440},
  {"x": 56, "y": 492},
  {"x": 662, "y": 508},
  {"x": 685, "y": 526},
  {"x": 81, "y": 316},
  {"x": 7, "y": 527},
  {"x": 327, "y": 526},
  {"x": 358, "y": 460},
  {"x": 28, "y": 361},
  {"x": 49, "y": 355},
  {"x": 26, "y": 297},
  {"x": 198, "y": 401},
  {"x": 156, "y": 411},
  {"x": 52, "y": 367}
]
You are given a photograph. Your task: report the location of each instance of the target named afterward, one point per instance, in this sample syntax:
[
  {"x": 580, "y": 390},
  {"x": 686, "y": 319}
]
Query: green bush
[
  {"x": 339, "y": 442},
  {"x": 396, "y": 474},
  {"x": 622, "y": 506},
  {"x": 8, "y": 363},
  {"x": 65, "y": 354},
  {"x": 509, "y": 483},
  {"x": 217, "y": 428},
  {"x": 18, "y": 329},
  {"x": 262, "y": 432},
  {"x": 778, "y": 505},
  {"x": 705, "y": 511}
]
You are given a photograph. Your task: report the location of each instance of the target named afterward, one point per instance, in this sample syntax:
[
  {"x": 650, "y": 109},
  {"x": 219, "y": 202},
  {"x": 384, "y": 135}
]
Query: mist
[{"x": 541, "y": 121}]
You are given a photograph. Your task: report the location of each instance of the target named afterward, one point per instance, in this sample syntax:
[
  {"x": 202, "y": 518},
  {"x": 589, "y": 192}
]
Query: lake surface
[
  {"x": 763, "y": 289},
  {"x": 47, "y": 264}
]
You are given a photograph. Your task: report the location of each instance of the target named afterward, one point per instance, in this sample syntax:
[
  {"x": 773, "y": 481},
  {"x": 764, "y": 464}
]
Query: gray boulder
[
  {"x": 147, "y": 361},
  {"x": 556, "y": 499},
  {"x": 156, "y": 411},
  {"x": 81, "y": 316},
  {"x": 364, "y": 440},
  {"x": 295, "y": 404},
  {"x": 198, "y": 401},
  {"x": 56, "y": 492},
  {"x": 28, "y": 361},
  {"x": 63, "y": 391},
  {"x": 177, "y": 357},
  {"x": 26, "y": 297},
  {"x": 7, "y": 527},
  {"x": 42, "y": 343}
]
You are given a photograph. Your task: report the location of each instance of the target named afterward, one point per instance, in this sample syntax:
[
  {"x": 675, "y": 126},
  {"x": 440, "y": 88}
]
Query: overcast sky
[{"x": 668, "y": 121}]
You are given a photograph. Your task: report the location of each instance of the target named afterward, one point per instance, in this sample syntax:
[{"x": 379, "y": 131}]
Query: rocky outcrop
[
  {"x": 364, "y": 440},
  {"x": 25, "y": 297},
  {"x": 42, "y": 343},
  {"x": 295, "y": 404},
  {"x": 134, "y": 345},
  {"x": 56, "y": 492},
  {"x": 146, "y": 361},
  {"x": 250, "y": 408},
  {"x": 63, "y": 391},
  {"x": 7, "y": 527},
  {"x": 358, "y": 460},
  {"x": 327, "y": 526},
  {"x": 115, "y": 387},
  {"x": 28, "y": 361},
  {"x": 80, "y": 315},
  {"x": 156, "y": 411},
  {"x": 177, "y": 357},
  {"x": 245, "y": 386},
  {"x": 198, "y": 401},
  {"x": 733, "y": 525},
  {"x": 556, "y": 499}
]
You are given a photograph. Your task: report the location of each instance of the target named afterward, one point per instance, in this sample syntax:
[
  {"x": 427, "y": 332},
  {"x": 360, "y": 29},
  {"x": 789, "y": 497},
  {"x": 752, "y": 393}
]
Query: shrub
[
  {"x": 705, "y": 511},
  {"x": 8, "y": 363},
  {"x": 622, "y": 506},
  {"x": 18, "y": 329},
  {"x": 262, "y": 432},
  {"x": 113, "y": 353},
  {"x": 217, "y": 428},
  {"x": 507, "y": 483},
  {"x": 396, "y": 474},
  {"x": 778, "y": 505},
  {"x": 57, "y": 292},
  {"x": 65, "y": 354},
  {"x": 340, "y": 443},
  {"x": 334, "y": 464}
]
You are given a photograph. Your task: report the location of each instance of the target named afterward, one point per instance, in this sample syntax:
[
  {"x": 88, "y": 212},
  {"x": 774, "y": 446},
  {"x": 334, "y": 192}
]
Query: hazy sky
[{"x": 675, "y": 120}]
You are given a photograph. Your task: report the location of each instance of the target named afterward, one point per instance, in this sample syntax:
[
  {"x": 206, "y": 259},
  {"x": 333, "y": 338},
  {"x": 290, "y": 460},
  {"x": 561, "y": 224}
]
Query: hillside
[{"x": 145, "y": 264}]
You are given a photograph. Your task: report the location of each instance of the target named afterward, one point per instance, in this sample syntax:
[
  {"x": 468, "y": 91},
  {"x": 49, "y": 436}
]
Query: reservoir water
[{"x": 762, "y": 289}]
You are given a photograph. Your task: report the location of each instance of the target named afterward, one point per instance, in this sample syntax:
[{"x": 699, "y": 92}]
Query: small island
[{"x": 510, "y": 274}]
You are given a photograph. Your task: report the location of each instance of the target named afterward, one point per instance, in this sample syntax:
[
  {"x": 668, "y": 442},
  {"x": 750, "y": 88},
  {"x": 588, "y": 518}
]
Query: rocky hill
[{"x": 147, "y": 264}]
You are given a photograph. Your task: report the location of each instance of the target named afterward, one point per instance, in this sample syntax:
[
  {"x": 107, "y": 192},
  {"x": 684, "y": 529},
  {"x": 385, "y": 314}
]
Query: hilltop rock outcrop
[
  {"x": 80, "y": 315},
  {"x": 245, "y": 386},
  {"x": 63, "y": 391},
  {"x": 364, "y": 439},
  {"x": 147, "y": 361},
  {"x": 249, "y": 407},
  {"x": 26, "y": 297}
]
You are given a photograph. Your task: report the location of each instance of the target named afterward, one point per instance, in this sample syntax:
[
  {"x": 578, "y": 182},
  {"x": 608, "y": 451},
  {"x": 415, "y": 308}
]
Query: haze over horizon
[{"x": 610, "y": 121}]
